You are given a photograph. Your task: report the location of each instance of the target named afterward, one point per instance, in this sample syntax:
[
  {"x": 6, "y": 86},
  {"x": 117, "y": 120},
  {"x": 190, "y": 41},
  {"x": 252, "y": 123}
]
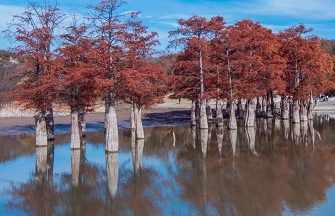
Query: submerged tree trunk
[
  {"x": 251, "y": 136},
  {"x": 250, "y": 114},
  {"x": 194, "y": 136},
  {"x": 41, "y": 164},
  {"x": 75, "y": 130},
  {"x": 82, "y": 123},
  {"x": 284, "y": 108},
  {"x": 264, "y": 105},
  {"x": 193, "y": 114},
  {"x": 295, "y": 111},
  {"x": 41, "y": 133},
  {"x": 219, "y": 137},
  {"x": 137, "y": 153},
  {"x": 50, "y": 123},
  {"x": 209, "y": 111},
  {"x": 239, "y": 109},
  {"x": 219, "y": 115},
  {"x": 310, "y": 107},
  {"x": 232, "y": 124},
  {"x": 112, "y": 166},
  {"x": 204, "y": 141},
  {"x": 203, "y": 115},
  {"x": 197, "y": 110},
  {"x": 258, "y": 107},
  {"x": 112, "y": 137},
  {"x": 233, "y": 138},
  {"x": 75, "y": 166},
  {"x": 286, "y": 129},
  {"x": 296, "y": 133},
  {"x": 138, "y": 123},
  {"x": 132, "y": 117},
  {"x": 269, "y": 106},
  {"x": 303, "y": 110}
]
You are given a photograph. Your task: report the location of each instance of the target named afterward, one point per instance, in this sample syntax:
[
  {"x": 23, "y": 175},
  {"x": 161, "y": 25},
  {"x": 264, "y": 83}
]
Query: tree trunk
[
  {"x": 194, "y": 136},
  {"x": 209, "y": 111},
  {"x": 258, "y": 107},
  {"x": 251, "y": 136},
  {"x": 264, "y": 105},
  {"x": 112, "y": 137},
  {"x": 204, "y": 141},
  {"x": 75, "y": 130},
  {"x": 41, "y": 129},
  {"x": 197, "y": 110},
  {"x": 239, "y": 109},
  {"x": 41, "y": 163},
  {"x": 220, "y": 139},
  {"x": 203, "y": 115},
  {"x": 269, "y": 107},
  {"x": 232, "y": 125},
  {"x": 295, "y": 111},
  {"x": 193, "y": 114},
  {"x": 249, "y": 120},
  {"x": 219, "y": 115},
  {"x": 233, "y": 139},
  {"x": 75, "y": 166},
  {"x": 112, "y": 166},
  {"x": 137, "y": 152},
  {"x": 82, "y": 123},
  {"x": 312, "y": 132},
  {"x": 296, "y": 133},
  {"x": 303, "y": 110},
  {"x": 310, "y": 107},
  {"x": 132, "y": 117},
  {"x": 286, "y": 129},
  {"x": 304, "y": 132},
  {"x": 285, "y": 108},
  {"x": 50, "y": 123},
  {"x": 138, "y": 123}
]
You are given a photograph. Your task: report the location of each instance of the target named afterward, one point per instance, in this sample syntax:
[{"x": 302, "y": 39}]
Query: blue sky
[{"x": 161, "y": 15}]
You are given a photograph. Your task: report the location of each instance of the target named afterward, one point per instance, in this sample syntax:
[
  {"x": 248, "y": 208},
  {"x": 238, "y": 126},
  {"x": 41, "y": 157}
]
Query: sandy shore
[
  {"x": 168, "y": 110},
  {"x": 123, "y": 114}
]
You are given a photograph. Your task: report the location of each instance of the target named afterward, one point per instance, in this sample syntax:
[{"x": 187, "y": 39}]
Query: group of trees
[
  {"x": 248, "y": 62},
  {"x": 108, "y": 56},
  {"x": 102, "y": 56}
]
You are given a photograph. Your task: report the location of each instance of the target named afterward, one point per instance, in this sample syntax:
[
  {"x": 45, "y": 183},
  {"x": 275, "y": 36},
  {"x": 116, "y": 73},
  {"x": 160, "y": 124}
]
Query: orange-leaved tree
[
  {"x": 141, "y": 83},
  {"x": 75, "y": 66},
  {"x": 34, "y": 30}
]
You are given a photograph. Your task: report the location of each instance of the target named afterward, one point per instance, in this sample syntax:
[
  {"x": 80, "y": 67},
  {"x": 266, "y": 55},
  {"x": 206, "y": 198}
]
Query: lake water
[{"x": 274, "y": 169}]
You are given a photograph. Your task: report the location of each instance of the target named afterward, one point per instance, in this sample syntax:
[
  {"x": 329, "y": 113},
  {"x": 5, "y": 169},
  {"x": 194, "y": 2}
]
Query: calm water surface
[{"x": 274, "y": 169}]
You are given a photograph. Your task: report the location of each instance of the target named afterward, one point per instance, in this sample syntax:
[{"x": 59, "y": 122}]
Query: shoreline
[{"x": 169, "y": 113}]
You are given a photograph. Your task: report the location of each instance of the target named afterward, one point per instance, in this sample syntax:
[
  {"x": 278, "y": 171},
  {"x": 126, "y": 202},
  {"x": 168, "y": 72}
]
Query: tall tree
[
  {"x": 307, "y": 71},
  {"x": 76, "y": 72},
  {"x": 109, "y": 26},
  {"x": 34, "y": 29},
  {"x": 141, "y": 83},
  {"x": 219, "y": 31},
  {"x": 195, "y": 32}
]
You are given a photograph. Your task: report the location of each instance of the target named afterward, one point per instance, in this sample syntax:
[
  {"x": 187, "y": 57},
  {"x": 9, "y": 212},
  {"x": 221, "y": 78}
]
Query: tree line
[
  {"x": 108, "y": 55},
  {"x": 247, "y": 61}
]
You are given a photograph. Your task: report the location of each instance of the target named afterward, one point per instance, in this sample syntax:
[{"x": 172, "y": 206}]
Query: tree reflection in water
[{"x": 208, "y": 172}]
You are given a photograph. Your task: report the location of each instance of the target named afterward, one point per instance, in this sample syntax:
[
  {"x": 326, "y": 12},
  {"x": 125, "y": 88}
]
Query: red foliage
[
  {"x": 140, "y": 83},
  {"x": 34, "y": 30},
  {"x": 308, "y": 67},
  {"x": 76, "y": 69}
]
